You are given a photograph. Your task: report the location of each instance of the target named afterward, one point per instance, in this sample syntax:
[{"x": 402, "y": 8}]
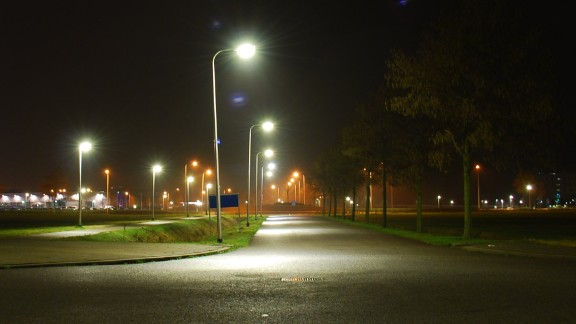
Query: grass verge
[
  {"x": 434, "y": 239},
  {"x": 201, "y": 231}
]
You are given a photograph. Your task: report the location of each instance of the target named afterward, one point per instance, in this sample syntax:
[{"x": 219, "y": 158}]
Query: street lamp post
[
  {"x": 529, "y": 188},
  {"x": 244, "y": 51},
  {"x": 267, "y": 126},
  {"x": 267, "y": 153},
  {"x": 478, "y": 182},
  {"x": 439, "y": 197},
  {"x": 304, "y": 187},
  {"x": 271, "y": 166},
  {"x": 84, "y": 147},
  {"x": 155, "y": 169},
  {"x": 208, "y": 172},
  {"x": 189, "y": 180},
  {"x": 107, "y": 189},
  {"x": 187, "y": 183}
]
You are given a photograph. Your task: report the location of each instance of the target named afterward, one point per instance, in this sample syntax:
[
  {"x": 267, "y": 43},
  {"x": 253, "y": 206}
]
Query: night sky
[{"x": 135, "y": 78}]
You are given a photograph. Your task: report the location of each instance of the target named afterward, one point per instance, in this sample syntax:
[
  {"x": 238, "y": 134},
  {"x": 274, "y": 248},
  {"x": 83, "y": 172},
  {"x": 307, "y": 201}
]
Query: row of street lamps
[{"x": 244, "y": 51}]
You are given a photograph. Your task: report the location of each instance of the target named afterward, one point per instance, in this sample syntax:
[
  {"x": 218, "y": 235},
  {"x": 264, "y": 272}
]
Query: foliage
[{"x": 477, "y": 65}]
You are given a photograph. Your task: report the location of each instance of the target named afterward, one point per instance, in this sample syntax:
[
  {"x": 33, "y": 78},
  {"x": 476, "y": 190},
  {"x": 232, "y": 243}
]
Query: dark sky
[{"x": 135, "y": 78}]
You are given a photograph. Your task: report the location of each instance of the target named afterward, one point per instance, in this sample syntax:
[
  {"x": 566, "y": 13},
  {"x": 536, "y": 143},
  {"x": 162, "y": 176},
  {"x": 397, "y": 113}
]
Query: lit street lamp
[
  {"x": 267, "y": 153},
  {"x": 267, "y": 126},
  {"x": 277, "y": 192},
  {"x": 189, "y": 180},
  {"x": 478, "y": 182},
  {"x": 155, "y": 169},
  {"x": 208, "y": 172},
  {"x": 439, "y": 197},
  {"x": 187, "y": 183},
  {"x": 84, "y": 147},
  {"x": 244, "y": 51},
  {"x": 107, "y": 189},
  {"x": 269, "y": 173},
  {"x": 529, "y": 188}
]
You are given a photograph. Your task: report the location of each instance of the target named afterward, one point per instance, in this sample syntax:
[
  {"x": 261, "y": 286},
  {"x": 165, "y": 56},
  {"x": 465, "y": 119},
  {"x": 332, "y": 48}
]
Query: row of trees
[{"x": 477, "y": 88}]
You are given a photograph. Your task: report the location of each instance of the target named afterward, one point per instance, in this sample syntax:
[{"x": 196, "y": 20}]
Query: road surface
[{"x": 302, "y": 269}]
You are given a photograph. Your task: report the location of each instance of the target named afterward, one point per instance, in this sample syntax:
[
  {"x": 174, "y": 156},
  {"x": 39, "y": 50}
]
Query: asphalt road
[{"x": 302, "y": 269}]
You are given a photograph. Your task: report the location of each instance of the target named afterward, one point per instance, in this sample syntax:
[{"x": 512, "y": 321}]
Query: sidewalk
[{"x": 44, "y": 250}]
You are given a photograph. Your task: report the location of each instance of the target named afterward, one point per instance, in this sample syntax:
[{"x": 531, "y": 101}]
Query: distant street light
[
  {"x": 266, "y": 126},
  {"x": 187, "y": 183},
  {"x": 439, "y": 197},
  {"x": 267, "y": 153},
  {"x": 277, "y": 192},
  {"x": 84, "y": 147},
  {"x": 478, "y": 182},
  {"x": 107, "y": 189},
  {"x": 189, "y": 180},
  {"x": 155, "y": 169},
  {"x": 244, "y": 51},
  {"x": 208, "y": 172},
  {"x": 529, "y": 188},
  {"x": 271, "y": 166}
]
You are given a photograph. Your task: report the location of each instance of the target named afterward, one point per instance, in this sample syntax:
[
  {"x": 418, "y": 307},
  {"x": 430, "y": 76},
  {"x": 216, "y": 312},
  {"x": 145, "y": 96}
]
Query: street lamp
[
  {"x": 269, "y": 174},
  {"x": 266, "y": 126},
  {"x": 439, "y": 197},
  {"x": 529, "y": 188},
  {"x": 478, "y": 182},
  {"x": 187, "y": 183},
  {"x": 244, "y": 51},
  {"x": 267, "y": 153},
  {"x": 277, "y": 192},
  {"x": 295, "y": 176},
  {"x": 155, "y": 169},
  {"x": 288, "y": 191},
  {"x": 189, "y": 180},
  {"x": 107, "y": 189},
  {"x": 208, "y": 172},
  {"x": 84, "y": 147}
]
